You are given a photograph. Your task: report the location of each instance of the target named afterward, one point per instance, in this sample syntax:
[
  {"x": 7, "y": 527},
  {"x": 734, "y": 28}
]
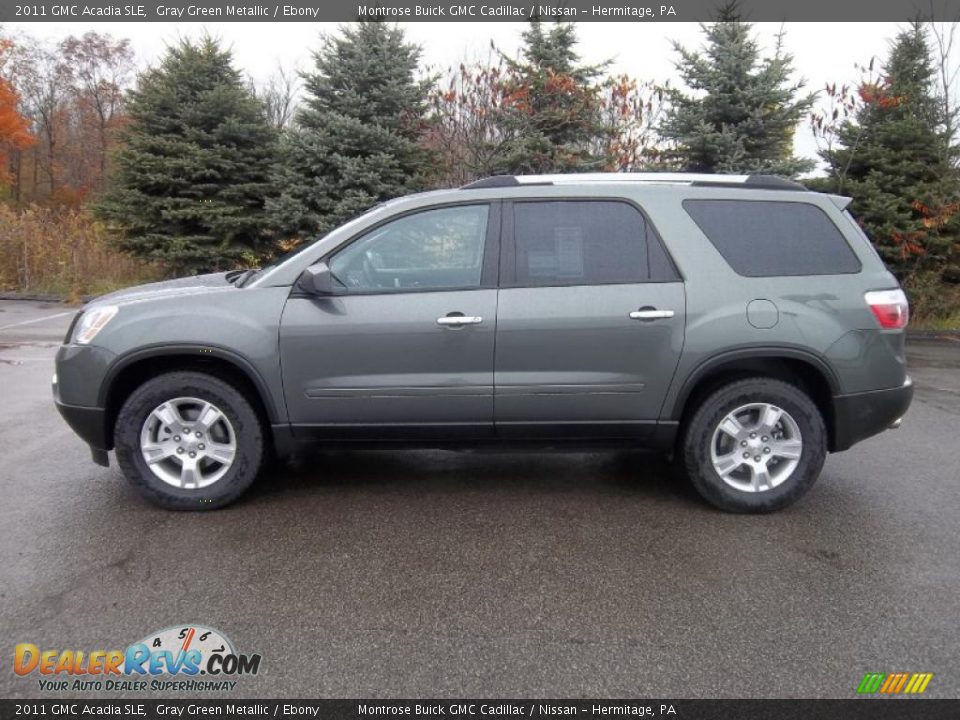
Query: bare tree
[
  {"x": 40, "y": 76},
  {"x": 837, "y": 106},
  {"x": 463, "y": 129},
  {"x": 99, "y": 69},
  {"x": 278, "y": 93},
  {"x": 631, "y": 110},
  {"x": 944, "y": 35}
]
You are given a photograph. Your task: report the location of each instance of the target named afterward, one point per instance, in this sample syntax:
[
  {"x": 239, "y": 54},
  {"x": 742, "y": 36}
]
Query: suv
[{"x": 742, "y": 324}]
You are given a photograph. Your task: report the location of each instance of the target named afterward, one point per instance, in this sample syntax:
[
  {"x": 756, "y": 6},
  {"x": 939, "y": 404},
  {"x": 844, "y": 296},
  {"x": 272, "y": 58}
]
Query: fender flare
[
  {"x": 201, "y": 351},
  {"x": 749, "y": 353}
]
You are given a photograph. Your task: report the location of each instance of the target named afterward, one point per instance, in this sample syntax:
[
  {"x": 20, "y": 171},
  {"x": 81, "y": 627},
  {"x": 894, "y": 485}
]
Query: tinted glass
[
  {"x": 583, "y": 243},
  {"x": 760, "y": 238},
  {"x": 431, "y": 250}
]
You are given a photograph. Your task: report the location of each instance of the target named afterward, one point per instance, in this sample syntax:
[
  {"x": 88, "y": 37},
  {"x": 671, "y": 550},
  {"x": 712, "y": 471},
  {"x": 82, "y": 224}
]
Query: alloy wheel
[
  {"x": 188, "y": 443},
  {"x": 756, "y": 447}
]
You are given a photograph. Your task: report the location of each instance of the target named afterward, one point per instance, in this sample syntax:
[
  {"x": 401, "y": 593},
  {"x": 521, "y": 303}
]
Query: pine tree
[
  {"x": 551, "y": 115},
  {"x": 896, "y": 159},
  {"x": 742, "y": 110},
  {"x": 355, "y": 140},
  {"x": 192, "y": 177}
]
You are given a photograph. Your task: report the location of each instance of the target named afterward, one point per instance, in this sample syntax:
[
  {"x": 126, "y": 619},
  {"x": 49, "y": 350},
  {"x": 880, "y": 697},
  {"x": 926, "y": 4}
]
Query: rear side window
[
  {"x": 760, "y": 238},
  {"x": 585, "y": 242}
]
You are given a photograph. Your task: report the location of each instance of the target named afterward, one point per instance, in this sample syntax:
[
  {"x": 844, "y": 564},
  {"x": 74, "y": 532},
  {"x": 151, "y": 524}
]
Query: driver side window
[{"x": 432, "y": 250}]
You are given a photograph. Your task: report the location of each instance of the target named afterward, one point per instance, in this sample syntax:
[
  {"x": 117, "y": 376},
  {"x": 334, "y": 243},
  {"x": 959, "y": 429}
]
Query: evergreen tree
[
  {"x": 191, "y": 179},
  {"x": 551, "y": 116},
  {"x": 742, "y": 110},
  {"x": 355, "y": 140},
  {"x": 896, "y": 159}
]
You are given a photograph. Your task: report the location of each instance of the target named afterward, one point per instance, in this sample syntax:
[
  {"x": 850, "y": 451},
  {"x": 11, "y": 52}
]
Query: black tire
[
  {"x": 698, "y": 434},
  {"x": 232, "y": 403}
]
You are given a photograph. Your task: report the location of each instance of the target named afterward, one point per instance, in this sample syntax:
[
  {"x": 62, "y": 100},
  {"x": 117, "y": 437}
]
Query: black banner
[
  {"x": 206, "y": 11},
  {"x": 857, "y": 709}
]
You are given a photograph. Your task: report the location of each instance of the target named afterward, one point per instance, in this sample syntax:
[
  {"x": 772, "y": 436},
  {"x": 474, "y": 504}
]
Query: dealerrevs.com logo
[{"x": 179, "y": 658}]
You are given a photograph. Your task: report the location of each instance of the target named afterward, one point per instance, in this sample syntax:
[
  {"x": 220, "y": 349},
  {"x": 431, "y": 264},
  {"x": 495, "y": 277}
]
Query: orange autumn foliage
[{"x": 14, "y": 128}]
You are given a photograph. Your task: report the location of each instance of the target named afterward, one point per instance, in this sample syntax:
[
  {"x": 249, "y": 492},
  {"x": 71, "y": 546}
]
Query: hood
[{"x": 196, "y": 285}]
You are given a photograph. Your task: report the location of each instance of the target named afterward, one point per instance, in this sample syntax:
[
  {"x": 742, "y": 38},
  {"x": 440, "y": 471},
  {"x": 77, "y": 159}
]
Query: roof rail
[
  {"x": 771, "y": 182},
  {"x": 765, "y": 182},
  {"x": 493, "y": 181}
]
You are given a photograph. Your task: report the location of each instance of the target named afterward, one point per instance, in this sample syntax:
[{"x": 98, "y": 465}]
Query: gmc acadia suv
[{"x": 740, "y": 323}]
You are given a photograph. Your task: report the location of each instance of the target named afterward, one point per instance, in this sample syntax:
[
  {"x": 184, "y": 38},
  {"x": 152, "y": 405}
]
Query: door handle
[
  {"x": 459, "y": 320},
  {"x": 650, "y": 314}
]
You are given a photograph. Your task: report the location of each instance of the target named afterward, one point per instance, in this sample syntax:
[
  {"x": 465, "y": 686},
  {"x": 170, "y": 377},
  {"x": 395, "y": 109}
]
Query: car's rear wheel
[
  {"x": 188, "y": 441},
  {"x": 755, "y": 445}
]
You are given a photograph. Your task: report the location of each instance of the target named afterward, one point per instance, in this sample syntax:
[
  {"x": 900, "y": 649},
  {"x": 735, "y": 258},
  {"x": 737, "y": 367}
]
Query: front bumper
[
  {"x": 89, "y": 423},
  {"x": 861, "y": 415}
]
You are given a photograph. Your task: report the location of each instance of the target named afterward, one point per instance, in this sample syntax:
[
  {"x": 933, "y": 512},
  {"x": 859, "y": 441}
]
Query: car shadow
[{"x": 636, "y": 474}]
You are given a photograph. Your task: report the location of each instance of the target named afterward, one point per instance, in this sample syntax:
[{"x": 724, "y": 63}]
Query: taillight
[{"x": 890, "y": 307}]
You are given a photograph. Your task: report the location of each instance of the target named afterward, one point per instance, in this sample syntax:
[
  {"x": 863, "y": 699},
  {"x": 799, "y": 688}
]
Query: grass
[
  {"x": 950, "y": 321},
  {"x": 934, "y": 304},
  {"x": 63, "y": 252}
]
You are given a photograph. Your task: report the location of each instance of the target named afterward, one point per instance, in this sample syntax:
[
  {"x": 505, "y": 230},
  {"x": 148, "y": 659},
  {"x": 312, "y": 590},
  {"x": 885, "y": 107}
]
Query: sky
[{"x": 823, "y": 52}]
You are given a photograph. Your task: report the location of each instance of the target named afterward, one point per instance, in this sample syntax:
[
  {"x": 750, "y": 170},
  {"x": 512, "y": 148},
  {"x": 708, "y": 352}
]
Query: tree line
[{"x": 191, "y": 166}]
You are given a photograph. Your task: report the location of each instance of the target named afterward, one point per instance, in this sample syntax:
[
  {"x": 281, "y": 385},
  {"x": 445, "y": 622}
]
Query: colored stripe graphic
[
  {"x": 923, "y": 679},
  {"x": 871, "y": 683},
  {"x": 894, "y": 683}
]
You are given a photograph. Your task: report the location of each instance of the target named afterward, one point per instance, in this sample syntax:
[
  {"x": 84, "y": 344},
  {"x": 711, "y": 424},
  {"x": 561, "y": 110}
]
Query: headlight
[{"x": 92, "y": 322}]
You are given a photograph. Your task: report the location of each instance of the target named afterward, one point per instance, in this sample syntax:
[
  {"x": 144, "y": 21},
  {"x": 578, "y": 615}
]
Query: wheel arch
[
  {"x": 799, "y": 367},
  {"x": 130, "y": 371}
]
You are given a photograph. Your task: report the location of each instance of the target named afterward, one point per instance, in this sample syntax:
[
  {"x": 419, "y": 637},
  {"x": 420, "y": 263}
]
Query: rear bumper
[{"x": 861, "y": 415}]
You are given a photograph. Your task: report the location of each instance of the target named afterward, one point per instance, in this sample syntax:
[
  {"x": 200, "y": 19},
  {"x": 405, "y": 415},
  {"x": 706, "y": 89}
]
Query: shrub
[
  {"x": 62, "y": 251},
  {"x": 934, "y": 304}
]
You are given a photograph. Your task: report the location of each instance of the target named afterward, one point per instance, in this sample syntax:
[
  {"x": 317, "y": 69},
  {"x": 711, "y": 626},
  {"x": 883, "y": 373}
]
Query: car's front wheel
[
  {"x": 188, "y": 441},
  {"x": 754, "y": 445}
]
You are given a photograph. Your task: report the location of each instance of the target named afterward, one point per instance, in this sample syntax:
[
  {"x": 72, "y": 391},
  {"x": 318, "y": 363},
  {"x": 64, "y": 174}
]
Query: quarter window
[
  {"x": 762, "y": 238},
  {"x": 431, "y": 250},
  {"x": 573, "y": 242}
]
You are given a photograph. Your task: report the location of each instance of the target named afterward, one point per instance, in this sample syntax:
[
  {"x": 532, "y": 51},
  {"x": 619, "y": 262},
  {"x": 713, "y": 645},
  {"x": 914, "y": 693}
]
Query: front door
[
  {"x": 590, "y": 321},
  {"x": 406, "y": 348}
]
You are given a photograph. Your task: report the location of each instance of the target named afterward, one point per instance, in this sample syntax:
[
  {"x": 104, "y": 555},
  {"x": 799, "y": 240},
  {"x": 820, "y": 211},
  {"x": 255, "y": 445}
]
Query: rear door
[{"x": 590, "y": 320}]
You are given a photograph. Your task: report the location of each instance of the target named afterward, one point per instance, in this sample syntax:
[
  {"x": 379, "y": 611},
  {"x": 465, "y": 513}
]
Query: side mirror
[{"x": 317, "y": 280}]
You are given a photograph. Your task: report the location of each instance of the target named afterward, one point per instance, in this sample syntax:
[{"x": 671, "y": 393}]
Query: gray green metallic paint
[{"x": 547, "y": 364}]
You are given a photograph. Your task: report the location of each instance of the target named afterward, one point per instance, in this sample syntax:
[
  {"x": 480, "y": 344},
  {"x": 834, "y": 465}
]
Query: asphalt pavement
[{"x": 442, "y": 574}]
